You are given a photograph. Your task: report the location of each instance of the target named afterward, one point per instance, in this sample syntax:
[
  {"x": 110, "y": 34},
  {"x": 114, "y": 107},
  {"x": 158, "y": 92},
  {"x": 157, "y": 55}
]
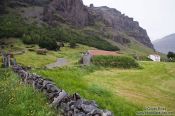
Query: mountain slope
[
  {"x": 102, "y": 22},
  {"x": 112, "y": 21},
  {"x": 165, "y": 44}
]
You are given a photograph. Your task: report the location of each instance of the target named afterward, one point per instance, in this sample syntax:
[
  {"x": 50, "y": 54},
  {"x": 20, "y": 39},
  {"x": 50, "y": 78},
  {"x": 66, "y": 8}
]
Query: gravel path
[{"x": 59, "y": 63}]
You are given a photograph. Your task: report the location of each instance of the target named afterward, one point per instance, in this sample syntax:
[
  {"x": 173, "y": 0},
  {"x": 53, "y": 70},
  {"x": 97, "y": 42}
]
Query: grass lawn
[
  {"x": 33, "y": 59},
  {"x": 122, "y": 91},
  {"x": 19, "y": 100}
]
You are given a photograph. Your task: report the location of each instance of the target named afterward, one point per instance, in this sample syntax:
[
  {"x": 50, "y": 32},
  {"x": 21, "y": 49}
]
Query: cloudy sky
[{"x": 156, "y": 16}]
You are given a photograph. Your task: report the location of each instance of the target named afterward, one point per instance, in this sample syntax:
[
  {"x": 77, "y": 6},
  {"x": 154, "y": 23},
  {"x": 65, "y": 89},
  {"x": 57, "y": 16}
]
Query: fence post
[
  {"x": 8, "y": 60},
  {"x": 14, "y": 62},
  {"x": 3, "y": 59}
]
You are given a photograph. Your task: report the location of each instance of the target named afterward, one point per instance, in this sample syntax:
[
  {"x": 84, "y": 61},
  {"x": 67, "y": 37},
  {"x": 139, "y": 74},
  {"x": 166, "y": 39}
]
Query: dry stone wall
[{"x": 68, "y": 105}]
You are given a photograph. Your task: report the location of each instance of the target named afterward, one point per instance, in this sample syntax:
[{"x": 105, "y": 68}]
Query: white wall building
[{"x": 154, "y": 57}]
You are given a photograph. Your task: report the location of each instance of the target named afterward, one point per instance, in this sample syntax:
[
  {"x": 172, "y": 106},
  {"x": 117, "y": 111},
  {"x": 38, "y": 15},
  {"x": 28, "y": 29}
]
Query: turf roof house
[{"x": 86, "y": 59}]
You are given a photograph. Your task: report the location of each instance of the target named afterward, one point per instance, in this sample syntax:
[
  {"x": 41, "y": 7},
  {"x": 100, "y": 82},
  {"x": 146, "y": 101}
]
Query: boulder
[{"x": 42, "y": 51}]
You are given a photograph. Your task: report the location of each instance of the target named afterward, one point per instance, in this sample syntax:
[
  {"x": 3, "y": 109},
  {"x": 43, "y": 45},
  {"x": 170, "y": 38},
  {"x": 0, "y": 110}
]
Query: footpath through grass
[{"x": 20, "y": 100}]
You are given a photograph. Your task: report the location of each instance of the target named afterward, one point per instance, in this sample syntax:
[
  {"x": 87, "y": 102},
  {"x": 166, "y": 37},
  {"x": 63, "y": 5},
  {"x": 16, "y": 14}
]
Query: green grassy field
[
  {"x": 122, "y": 91},
  {"x": 17, "y": 99},
  {"x": 33, "y": 59}
]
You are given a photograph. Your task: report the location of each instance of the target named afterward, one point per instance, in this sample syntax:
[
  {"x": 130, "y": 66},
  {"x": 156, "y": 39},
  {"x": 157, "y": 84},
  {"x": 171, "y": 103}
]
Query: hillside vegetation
[
  {"x": 13, "y": 25},
  {"x": 46, "y": 36}
]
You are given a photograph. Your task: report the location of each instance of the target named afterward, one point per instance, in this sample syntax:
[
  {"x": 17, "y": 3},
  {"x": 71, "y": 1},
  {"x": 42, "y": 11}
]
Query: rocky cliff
[
  {"x": 114, "y": 25},
  {"x": 119, "y": 23},
  {"x": 70, "y": 11},
  {"x": 14, "y": 3},
  {"x": 75, "y": 13},
  {"x": 2, "y": 6}
]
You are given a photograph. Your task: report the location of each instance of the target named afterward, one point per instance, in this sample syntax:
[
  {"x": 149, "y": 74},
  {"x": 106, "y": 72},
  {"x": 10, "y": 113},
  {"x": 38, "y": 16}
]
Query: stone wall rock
[{"x": 69, "y": 105}]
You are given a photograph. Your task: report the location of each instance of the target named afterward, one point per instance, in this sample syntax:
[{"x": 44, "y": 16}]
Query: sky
[{"x": 156, "y": 16}]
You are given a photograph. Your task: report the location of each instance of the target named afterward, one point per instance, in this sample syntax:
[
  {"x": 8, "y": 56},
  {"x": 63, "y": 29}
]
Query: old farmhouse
[
  {"x": 86, "y": 59},
  {"x": 154, "y": 57}
]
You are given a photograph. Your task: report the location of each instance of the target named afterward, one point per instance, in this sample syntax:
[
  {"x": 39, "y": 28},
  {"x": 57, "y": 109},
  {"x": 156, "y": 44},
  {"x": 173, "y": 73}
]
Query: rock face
[
  {"x": 119, "y": 23},
  {"x": 30, "y": 2},
  {"x": 2, "y": 6},
  {"x": 75, "y": 13},
  {"x": 71, "y": 11}
]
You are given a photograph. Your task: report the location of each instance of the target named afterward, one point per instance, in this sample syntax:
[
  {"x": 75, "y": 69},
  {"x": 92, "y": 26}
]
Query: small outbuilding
[
  {"x": 154, "y": 57},
  {"x": 86, "y": 59}
]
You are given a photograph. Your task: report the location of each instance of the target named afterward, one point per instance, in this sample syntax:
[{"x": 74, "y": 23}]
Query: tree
[
  {"x": 171, "y": 55},
  {"x": 72, "y": 41},
  {"x": 72, "y": 44}
]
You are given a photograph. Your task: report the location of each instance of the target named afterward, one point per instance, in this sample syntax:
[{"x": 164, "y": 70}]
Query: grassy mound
[{"x": 115, "y": 61}]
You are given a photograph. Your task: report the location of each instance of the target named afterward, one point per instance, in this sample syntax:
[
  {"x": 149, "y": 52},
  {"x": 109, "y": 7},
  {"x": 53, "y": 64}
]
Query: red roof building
[
  {"x": 102, "y": 52},
  {"x": 86, "y": 59}
]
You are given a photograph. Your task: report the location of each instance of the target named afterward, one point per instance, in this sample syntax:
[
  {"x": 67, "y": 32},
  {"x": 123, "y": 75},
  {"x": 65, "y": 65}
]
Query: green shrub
[
  {"x": 115, "y": 61},
  {"x": 171, "y": 56},
  {"x": 31, "y": 49},
  {"x": 97, "y": 42},
  {"x": 14, "y": 26},
  {"x": 11, "y": 26},
  {"x": 49, "y": 44}
]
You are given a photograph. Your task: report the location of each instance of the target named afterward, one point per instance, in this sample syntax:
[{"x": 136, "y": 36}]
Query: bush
[
  {"x": 11, "y": 26},
  {"x": 34, "y": 34},
  {"x": 31, "y": 49},
  {"x": 115, "y": 61},
  {"x": 72, "y": 42},
  {"x": 49, "y": 44},
  {"x": 171, "y": 56}
]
